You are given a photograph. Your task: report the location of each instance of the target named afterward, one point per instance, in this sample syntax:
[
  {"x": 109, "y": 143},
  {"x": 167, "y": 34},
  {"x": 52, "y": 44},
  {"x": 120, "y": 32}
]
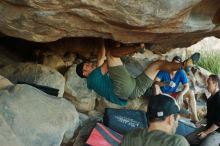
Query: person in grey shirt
[{"x": 163, "y": 113}]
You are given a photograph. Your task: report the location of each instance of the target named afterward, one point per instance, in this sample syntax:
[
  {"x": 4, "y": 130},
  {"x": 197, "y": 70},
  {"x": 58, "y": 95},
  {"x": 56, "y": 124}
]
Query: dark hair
[
  {"x": 153, "y": 119},
  {"x": 79, "y": 70},
  {"x": 178, "y": 58},
  {"x": 215, "y": 79}
]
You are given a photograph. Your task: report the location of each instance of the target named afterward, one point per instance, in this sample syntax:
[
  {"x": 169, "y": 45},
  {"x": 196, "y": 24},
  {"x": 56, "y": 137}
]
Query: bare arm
[
  {"x": 101, "y": 55},
  {"x": 182, "y": 93},
  {"x": 185, "y": 89},
  {"x": 157, "y": 89},
  {"x": 159, "y": 83},
  {"x": 101, "y": 59},
  {"x": 211, "y": 129}
]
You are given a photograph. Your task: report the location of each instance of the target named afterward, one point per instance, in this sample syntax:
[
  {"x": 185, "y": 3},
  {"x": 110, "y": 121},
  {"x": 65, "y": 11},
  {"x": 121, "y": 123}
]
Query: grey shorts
[{"x": 125, "y": 86}]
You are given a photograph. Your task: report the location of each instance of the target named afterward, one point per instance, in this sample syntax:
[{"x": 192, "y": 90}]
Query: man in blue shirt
[
  {"x": 111, "y": 80},
  {"x": 168, "y": 82}
]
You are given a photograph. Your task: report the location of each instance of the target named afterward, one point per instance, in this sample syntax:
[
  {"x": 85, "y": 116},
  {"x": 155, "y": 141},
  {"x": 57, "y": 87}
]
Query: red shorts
[{"x": 174, "y": 95}]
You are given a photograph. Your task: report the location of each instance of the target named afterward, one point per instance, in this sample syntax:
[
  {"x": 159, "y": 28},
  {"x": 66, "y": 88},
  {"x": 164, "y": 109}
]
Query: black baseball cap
[
  {"x": 162, "y": 105},
  {"x": 178, "y": 58},
  {"x": 79, "y": 70}
]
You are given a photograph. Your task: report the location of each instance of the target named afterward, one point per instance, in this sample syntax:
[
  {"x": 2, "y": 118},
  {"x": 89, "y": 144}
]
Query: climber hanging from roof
[{"x": 111, "y": 80}]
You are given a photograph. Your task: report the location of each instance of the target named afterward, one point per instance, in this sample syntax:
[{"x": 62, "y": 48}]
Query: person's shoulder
[
  {"x": 161, "y": 73},
  {"x": 182, "y": 71},
  {"x": 218, "y": 93},
  {"x": 94, "y": 76},
  {"x": 168, "y": 139},
  {"x": 218, "y": 96},
  {"x": 134, "y": 132},
  {"x": 133, "y": 137},
  {"x": 96, "y": 71},
  {"x": 97, "y": 68},
  {"x": 180, "y": 140}
]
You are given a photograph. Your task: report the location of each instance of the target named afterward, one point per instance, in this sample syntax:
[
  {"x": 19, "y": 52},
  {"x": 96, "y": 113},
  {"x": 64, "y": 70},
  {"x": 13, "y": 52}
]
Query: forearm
[
  {"x": 101, "y": 54},
  {"x": 211, "y": 129},
  {"x": 157, "y": 89},
  {"x": 185, "y": 89},
  {"x": 161, "y": 84}
]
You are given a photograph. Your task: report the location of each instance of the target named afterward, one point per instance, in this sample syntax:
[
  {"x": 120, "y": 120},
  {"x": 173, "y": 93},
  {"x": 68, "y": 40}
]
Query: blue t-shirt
[
  {"x": 102, "y": 85},
  {"x": 164, "y": 76}
]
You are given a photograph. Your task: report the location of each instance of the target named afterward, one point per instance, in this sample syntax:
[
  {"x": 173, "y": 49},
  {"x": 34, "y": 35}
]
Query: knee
[
  {"x": 156, "y": 64},
  {"x": 157, "y": 90}
]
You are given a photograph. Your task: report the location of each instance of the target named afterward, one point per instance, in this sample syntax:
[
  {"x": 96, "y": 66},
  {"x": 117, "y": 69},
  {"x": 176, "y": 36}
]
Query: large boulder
[
  {"x": 170, "y": 24},
  {"x": 34, "y": 73},
  {"x": 7, "y": 136},
  {"x": 30, "y": 117}
]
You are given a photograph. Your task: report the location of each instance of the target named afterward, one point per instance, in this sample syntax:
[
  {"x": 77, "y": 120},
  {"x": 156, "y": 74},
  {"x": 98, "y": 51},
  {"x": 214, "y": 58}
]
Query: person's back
[
  {"x": 102, "y": 85},
  {"x": 141, "y": 137}
]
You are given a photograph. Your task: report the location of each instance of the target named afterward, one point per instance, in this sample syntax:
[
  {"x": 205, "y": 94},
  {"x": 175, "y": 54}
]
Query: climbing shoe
[{"x": 191, "y": 61}]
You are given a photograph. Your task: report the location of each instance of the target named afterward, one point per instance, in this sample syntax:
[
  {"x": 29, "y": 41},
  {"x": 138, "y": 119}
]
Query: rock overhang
[{"x": 160, "y": 24}]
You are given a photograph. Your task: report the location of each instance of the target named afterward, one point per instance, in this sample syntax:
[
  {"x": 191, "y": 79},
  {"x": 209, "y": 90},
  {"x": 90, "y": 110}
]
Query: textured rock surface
[
  {"x": 171, "y": 23},
  {"x": 29, "y": 117},
  {"x": 34, "y": 73}
]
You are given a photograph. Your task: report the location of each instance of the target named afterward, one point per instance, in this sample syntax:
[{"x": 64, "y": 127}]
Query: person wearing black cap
[
  {"x": 111, "y": 79},
  {"x": 169, "y": 81},
  {"x": 209, "y": 135},
  {"x": 163, "y": 113}
]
